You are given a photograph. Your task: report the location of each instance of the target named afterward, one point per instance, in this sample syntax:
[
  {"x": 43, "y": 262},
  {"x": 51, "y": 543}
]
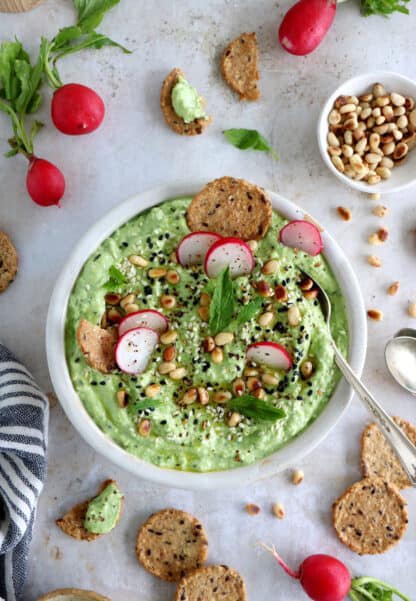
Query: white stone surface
[{"x": 133, "y": 151}]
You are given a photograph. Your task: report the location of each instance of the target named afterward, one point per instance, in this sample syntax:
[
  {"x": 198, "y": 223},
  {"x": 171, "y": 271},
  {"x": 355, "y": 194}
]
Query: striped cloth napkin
[{"x": 24, "y": 412}]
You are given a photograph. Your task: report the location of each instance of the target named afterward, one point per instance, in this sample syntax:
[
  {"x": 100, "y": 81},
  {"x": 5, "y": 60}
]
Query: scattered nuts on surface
[
  {"x": 375, "y": 314},
  {"x": 344, "y": 213},
  {"x": 383, "y": 234},
  {"x": 374, "y": 196},
  {"x": 297, "y": 477},
  {"x": 380, "y": 211},
  {"x": 278, "y": 510},
  {"x": 411, "y": 309},
  {"x": 393, "y": 288},
  {"x": 252, "y": 509},
  {"x": 374, "y": 261},
  {"x": 373, "y": 239}
]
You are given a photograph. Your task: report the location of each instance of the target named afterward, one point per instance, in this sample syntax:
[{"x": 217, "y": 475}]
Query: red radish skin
[
  {"x": 147, "y": 318},
  {"x": 193, "y": 248},
  {"x": 306, "y": 24},
  {"x": 76, "y": 109},
  {"x": 44, "y": 182},
  {"x": 302, "y": 235},
  {"x": 272, "y": 354},
  {"x": 231, "y": 252},
  {"x": 323, "y": 578}
]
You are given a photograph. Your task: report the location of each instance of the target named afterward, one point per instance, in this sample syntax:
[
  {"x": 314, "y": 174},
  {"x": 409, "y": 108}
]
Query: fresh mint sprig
[
  {"x": 249, "y": 139},
  {"x": 252, "y": 407},
  {"x": 222, "y": 305}
]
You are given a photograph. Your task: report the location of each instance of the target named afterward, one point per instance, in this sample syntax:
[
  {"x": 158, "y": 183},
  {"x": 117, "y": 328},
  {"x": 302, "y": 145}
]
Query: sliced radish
[
  {"x": 146, "y": 318},
  {"x": 271, "y": 354},
  {"x": 193, "y": 249},
  {"x": 231, "y": 252},
  {"x": 303, "y": 235},
  {"x": 134, "y": 349}
]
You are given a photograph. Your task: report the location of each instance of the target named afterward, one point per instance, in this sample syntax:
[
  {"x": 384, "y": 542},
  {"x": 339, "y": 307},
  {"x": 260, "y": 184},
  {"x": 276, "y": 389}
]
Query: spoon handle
[{"x": 404, "y": 449}]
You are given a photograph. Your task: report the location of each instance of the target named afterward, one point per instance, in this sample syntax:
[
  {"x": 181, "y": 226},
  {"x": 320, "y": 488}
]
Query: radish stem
[{"x": 280, "y": 561}]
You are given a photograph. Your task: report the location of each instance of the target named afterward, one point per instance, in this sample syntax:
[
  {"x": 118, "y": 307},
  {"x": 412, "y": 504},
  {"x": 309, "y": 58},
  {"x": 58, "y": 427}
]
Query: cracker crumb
[
  {"x": 375, "y": 314},
  {"x": 252, "y": 509},
  {"x": 344, "y": 213},
  {"x": 393, "y": 289},
  {"x": 374, "y": 261}
]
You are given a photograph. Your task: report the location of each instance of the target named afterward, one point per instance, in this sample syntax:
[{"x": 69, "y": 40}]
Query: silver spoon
[
  {"x": 400, "y": 355},
  {"x": 404, "y": 449}
]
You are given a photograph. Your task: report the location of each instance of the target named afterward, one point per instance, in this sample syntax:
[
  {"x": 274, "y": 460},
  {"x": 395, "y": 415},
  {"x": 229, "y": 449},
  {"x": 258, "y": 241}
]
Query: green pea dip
[
  {"x": 195, "y": 437},
  {"x": 103, "y": 512},
  {"x": 186, "y": 102}
]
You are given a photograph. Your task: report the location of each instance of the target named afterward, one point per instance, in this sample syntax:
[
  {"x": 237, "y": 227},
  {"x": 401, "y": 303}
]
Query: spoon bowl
[{"x": 400, "y": 355}]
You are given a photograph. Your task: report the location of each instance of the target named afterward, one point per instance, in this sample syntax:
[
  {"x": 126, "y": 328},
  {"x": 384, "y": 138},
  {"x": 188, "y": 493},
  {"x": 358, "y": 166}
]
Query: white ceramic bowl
[
  {"x": 73, "y": 407},
  {"x": 402, "y": 176}
]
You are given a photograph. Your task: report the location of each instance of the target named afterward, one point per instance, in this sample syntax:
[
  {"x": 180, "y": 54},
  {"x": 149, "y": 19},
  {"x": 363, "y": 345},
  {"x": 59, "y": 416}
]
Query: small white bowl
[
  {"x": 288, "y": 455},
  {"x": 403, "y": 176}
]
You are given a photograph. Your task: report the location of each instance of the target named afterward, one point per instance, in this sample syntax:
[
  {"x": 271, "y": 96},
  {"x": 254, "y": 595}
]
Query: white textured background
[{"x": 134, "y": 150}]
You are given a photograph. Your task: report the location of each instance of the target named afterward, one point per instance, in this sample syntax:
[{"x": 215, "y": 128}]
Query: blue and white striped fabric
[{"x": 24, "y": 412}]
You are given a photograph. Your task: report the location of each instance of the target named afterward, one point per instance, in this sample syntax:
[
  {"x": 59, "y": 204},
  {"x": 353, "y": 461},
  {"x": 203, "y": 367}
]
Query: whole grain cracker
[
  {"x": 370, "y": 517},
  {"x": 9, "y": 261},
  {"x": 72, "y": 523},
  {"x": 97, "y": 345},
  {"x": 379, "y": 459},
  {"x": 239, "y": 66},
  {"x": 231, "y": 207},
  {"x": 174, "y": 121},
  {"x": 213, "y": 583},
  {"x": 171, "y": 543},
  {"x": 72, "y": 594}
]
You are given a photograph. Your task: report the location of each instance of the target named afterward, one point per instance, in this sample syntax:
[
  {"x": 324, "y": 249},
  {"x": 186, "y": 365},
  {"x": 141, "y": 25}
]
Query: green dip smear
[
  {"x": 186, "y": 102},
  {"x": 103, "y": 511},
  {"x": 195, "y": 437}
]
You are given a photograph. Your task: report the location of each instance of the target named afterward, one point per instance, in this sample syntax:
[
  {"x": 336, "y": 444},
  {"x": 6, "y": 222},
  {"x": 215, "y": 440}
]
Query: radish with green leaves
[
  {"x": 20, "y": 96},
  {"x": 325, "y": 578},
  {"x": 77, "y": 109},
  {"x": 307, "y": 22}
]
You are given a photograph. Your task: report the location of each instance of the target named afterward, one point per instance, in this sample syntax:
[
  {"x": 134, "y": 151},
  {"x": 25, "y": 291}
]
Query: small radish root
[{"x": 280, "y": 561}]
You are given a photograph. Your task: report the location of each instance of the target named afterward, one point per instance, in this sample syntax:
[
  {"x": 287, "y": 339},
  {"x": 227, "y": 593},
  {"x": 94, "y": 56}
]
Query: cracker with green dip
[
  {"x": 182, "y": 106},
  {"x": 92, "y": 518}
]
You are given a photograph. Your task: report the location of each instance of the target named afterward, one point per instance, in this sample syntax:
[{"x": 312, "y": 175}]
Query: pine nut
[
  {"x": 238, "y": 387},
  {"x": 373, "y": 180},
  {"x": 203, "y": 395},
  {"x": 334, "y": 152},
  {"x": 293, "y": 316},
  {"x": 361, "y": 145},
  {"x": 127, "y": 300},
  {"x": 167, "y": 301},
  {"x": 409, "y": 103},
  {"x": 156, "y": 273},
  {"x": 374, "y": 141},
  {"x": 280, "y": 294},
  {"x": 203, "y": 313},
  {"x": 253, "y": 244},
  {"x": 169, "y": 337},
  {"x": 266, "y": 319},
  {"x": 114, "y": 316},
  {"x": 138, "y": 261},
  {"x": 189, "y": 397},
  {"x": 131, "y": 308},
  {"x": 411, "y": 309},
  {"x": 250, "y": 372},
  {"x": 356, "y": 162},
  {"x": 173, "y": 277},
  {"x": 278, "y": 510},
  {"x": 393, "y": 289},
  {"x": 381, "y": 129},
  {"x": 383, "y": 172},
  {"x": 388, "y": 148},
  {"x": 375, "y": 314},
  {"x": 177, "y": 374},
  {"x": 402, "y": 122},
  {"x": 306, "y": 369},
  {"x": 205, "y": 300},
  {"x": 365, "y": 113},
  {"x": 263, "y": 287},
  {"x": 334, "y": 117},
  {"x": 347, "y": 150},
  {"x": 253, "y": 383},
  {"x": 397, "y": 99},
  {"x": 234, "y": 419},
  {"x": 297, "y": 477},
  {"x": 386, "y": 162},
  {"x": 400, "y": 151},
  {"x": 252, "y": 509},
  {"x": 383, "y": 101},
  {"x": 399, "y": 111},
  {"x": 224, "y": 338},
  {"x": 374, "y": 261},
  {"x": 378, "y": 90},
  {"x": 112, "y": 298},
  {"x": 388, "y": 112},
  {"x": 209, "y": 344},
  {"x": 169, "y": 353},
  {"x": 374, "y": 196},
  {"x": 338, "y": 163},
  {"x": 269, "y": 380},
  {"x": 372, "y": 158},
  {"x": 348, "y": 137},
  {"x": 380, "y": 211},
  {"x": 365, "y": 98},
  {"x": 412, "y": 119},
  {"x": 259, "y": 393},
  {"x": 370, "y": 122},
  {"x": 166, "y": 367},
  {"x": 351, "y": 123},
  {"x": 271, "y": 266},
  {"x": 144, "y": 427},
  {"x": 152, "y": 390},
  {"x": 122, "y": 399},
  {"x": 332, "y": 139},
  {"x": 217, "y": 355},
  {"x": 397, "y": 135},
  {"x": 376, "y": 112},
  {"x": 222, "y": 396},
  {"x": 306, "y": 284},
  {"x": 347, "y": 108}
]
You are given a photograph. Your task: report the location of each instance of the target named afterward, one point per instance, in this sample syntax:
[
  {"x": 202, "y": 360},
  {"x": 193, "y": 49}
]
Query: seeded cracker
[
  {"x": 72, "y": 523},
  {"x": 97, "y": 346},
  {"x": 231, "y": 207},
  {"x": 9, "y": 261},
  {"x": 171, "y": 543},
  {"x": 174, "y": 121},
  {"x": 213, "y": 583},
  {"x": 379, "y": 459},
  {"x": 370, "y": 517},
  {"x": 239, "y": 66}
]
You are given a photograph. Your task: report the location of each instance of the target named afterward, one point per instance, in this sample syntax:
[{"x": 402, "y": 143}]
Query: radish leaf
[
  {"x": 91, "y": 12},
  {"x": 383, "y": 7}
]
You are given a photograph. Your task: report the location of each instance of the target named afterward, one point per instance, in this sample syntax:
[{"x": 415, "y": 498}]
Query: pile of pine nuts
[{"x": 371, "y": 134}]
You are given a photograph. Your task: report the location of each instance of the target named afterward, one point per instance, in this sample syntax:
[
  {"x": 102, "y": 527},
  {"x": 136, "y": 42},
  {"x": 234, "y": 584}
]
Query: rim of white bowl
[
  {"x": 357, "y": 83},
  {"x": 289, "y": 454}
]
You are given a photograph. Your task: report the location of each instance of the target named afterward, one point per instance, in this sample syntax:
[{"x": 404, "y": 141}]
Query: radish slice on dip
[
  {"x": 302, "y": 235},
  {"x": 146, "y": 318},
  {"x": 271, "y": 354},
  {"x": 193, "y": 249},
  {"x": 134, "y": 349},
  {"x": 229, "y": 252}
]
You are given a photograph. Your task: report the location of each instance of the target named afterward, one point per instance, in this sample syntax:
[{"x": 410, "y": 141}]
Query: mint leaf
[
  {"x": 146, "y": 404},
  {"x": 249, "y": 311},
  {"x": 222, "y": 305},
  {"x": 251, "y": 406},
  {"x": 249, "y": 139},
  {"x": 383, "y": 7},
  {"x": 116, "y": 280}
]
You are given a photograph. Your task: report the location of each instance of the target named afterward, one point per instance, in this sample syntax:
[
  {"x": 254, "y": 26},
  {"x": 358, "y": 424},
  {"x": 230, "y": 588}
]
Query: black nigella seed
[
  {"x": 77, "y": 360},
  {"x": 163, "y": 422},
  {"x": 125, "y": 244},
  {"x": 310, "y": 392},
  {"x": 147, "y": 290},
  {"x": 97, "y": 257},
  {"x": 94, "y": 383}
]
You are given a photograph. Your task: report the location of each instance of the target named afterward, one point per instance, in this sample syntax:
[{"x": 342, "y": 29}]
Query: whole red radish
[
  {"x": 306, "y": 24},
  {"x": 323, "y": 578},
  {"x": 45, "y": 182},
  {"x": 77, "y": 109}
]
